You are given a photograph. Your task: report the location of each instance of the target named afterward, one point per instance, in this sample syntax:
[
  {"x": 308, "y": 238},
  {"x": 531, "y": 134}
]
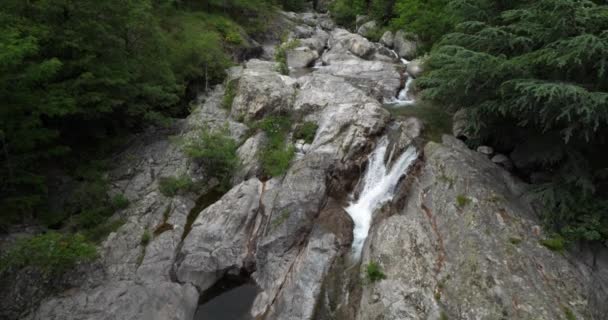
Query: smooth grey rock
[
  {"x": 123, "y": 300},
  {"x": 361, "y": 19},
  {"x": 249, "y": 153},
  {"x": 301, "y": 57},
  {"x": 262, "y": 91},
  {"x": 404, "y": 45},
  {"x": 503, "y": 161},
  {"x": 415, "y": 68},
  {"x": 485, "y": 150},
  {"x": 367, "y": 28},
  {"x": 388, "y": 39},
  {"x": 303, "y": 31},
  {"x": 445, "y": 259},
  {"x": 303, "y": 283},
  {"x": 219, "y": 239},
  {"x": 460, "y": 124}
]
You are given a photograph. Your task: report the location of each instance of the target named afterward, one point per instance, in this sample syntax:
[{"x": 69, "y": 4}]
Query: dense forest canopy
[{"x": 76, "y": 74}]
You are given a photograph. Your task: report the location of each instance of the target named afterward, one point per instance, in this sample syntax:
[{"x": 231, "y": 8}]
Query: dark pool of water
[{"x": 232, "y": 304}]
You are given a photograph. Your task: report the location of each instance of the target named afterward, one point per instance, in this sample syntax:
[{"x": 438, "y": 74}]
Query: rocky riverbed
[{"x": 458, "y": 240}]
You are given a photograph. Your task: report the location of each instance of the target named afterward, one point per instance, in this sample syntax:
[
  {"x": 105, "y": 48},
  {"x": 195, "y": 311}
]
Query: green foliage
[
  {"x": 99, "y": 232},
  {"x": 569, "y": 314},
  {"x": 306, "y": 131},
  {"x": 462, "y": 201},
  {"x": 428, "y": 19},
  {"x": 216, "y": 151},
  {"x": 52, "y": 253},
  {"x": 374, "y": 272},
  {"x": 229, "y": 94},
  {"x": 145, "y": 238},
  {"x": 73, "y": 76},
  {"x": 280, "y": 56},
  {"x": 172, "y": 186},
  {"x": 555, "y": 243},
  {"x": 345, "y": 12},
  {"x": 119, "y": 201},
  {"x": 278, "y": 153},
  {"x": 532, "y": 78}
]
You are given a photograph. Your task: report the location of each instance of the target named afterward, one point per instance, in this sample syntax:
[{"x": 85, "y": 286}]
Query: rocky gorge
[{"x": 453, "y": 233}]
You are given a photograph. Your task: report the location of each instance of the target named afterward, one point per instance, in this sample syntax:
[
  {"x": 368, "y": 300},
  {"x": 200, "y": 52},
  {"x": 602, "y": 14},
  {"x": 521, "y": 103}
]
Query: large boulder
[
  {"x": 367, "y": 28},
  {"x": 405, "y": 44},
  {"x": 301, "y": 57},
  {"x": 465, "y": 245},
  {"x": 123, "y": 300},
  {"x": 415, "y": 68},
  {"x": 249, "y": 154},
  {"x": 262, "y": 91},
  {"x": 219, "y": 239},
  {"x": 387, "y": 39}
]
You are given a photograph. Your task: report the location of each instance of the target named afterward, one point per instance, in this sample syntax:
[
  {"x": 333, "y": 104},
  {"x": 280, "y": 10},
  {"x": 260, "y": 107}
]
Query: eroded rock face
[
  {"x": 124, "y": 300},
  {"x": 301, "y": 57},
  {"x": 262, "y": 91},
  {"x": 463, "y": 246},
  {"x": 404, "y": 45},
  {"x": 220, "y": 236}
]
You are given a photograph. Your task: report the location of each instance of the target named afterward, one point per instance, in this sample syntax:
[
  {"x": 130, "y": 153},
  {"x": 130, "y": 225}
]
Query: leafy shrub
[
  {"x": 100, "y": 231},
  {"x": 51, "y": 252},
  {"x": 216, "y": 150},
  {"x": 374, "y": 273},
  {"x": 229, "y": 94},
  {"x": 119, "y": 201},
  {"x": 172, "y": 186},
  {"x": 280, "y": 56},
  {"x": 277, "y": 154},
  {"x": 555, "y": 243},
  {"x": 276, "y": 161},
  {"x": 145, "y": 238},
  {"x": 462, "y": 201},
  {"x": 306, "y": 132}
]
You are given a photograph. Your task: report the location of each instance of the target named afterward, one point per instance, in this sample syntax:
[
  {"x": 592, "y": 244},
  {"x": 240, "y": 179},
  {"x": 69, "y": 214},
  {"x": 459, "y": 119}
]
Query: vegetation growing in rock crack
[
  {"x": 229, "y": 94},
  {"x": 462, "y": 201},
  {"x": 278, "y": 152},
  {"x": 216, "y": 151},
  {"x": 374, "y": 272},
  {"x": 306, "y": 131},
  {"x": 172, "y": 186}
]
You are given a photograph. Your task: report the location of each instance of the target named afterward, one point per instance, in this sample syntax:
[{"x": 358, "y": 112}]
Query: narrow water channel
[{"x": 230, "y": 299}]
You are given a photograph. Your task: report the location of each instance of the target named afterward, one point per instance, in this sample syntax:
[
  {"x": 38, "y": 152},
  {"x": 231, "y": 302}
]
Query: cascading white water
[
  {"x": 403, "y": 98},
  {"x": 379, "y": 188}
]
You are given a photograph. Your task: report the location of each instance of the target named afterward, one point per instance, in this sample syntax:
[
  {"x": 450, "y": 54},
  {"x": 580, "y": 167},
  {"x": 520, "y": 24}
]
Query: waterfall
[
  {"x": 379, "y": 188},
  {"x": 403, "y": 98}
]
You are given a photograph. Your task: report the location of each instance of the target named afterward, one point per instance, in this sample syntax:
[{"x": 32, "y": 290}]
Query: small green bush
[
  {"x": 145, "y": 238},
  {"x": 216, "y": 150},
  {"x": 99, "y": 232},
  {"x": 569, "y": 314},
  {"x": 119, "y": 201},
  {"x": 229, "y": 94},
  {"x": 462, "y": 201},
  {"x": 556, "y": 243},
  {"x": 172, "y": 186},
  {"x": 280, "y": 56},
  {"x": 306, "y": 132},
  {"x": 52, "y": 253},
  {"x": 275, "y": 162},
  {"x": 374, "y": 273}
]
